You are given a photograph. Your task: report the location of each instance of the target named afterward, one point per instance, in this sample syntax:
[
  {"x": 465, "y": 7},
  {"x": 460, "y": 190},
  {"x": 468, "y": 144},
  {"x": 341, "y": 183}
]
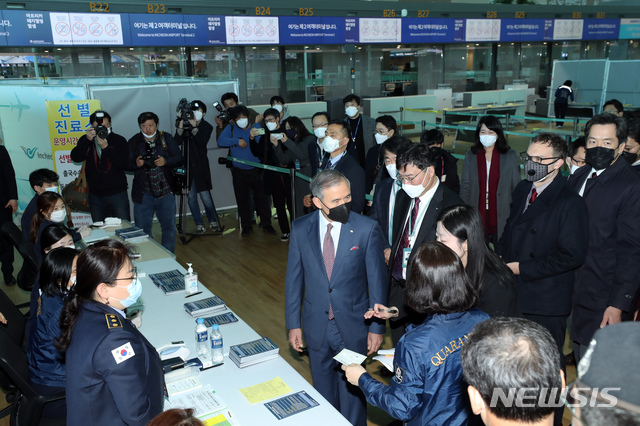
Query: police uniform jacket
[
  {"x": 114, "y": 376},
  {"x": 428, "y": 387},
  {"x": 46, "y": 363}
]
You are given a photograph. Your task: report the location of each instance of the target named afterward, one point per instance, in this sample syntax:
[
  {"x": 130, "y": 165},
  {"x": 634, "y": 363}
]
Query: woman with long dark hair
[
  {"x": 428, "y": 388},
  {"x": 52, "y": 209},
  {"x": 460, "y": 229},
  {"x": 114, "y": 375},
  {"x": 46, "y": 364},
  {"x": 490, "y": 172}
]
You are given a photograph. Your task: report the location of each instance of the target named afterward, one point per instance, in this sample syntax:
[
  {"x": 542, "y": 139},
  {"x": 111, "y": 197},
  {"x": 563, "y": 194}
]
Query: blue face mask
[{"x": 135, "y": 291}]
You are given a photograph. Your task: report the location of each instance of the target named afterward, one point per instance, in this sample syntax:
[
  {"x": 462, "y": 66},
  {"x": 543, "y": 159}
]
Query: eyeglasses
[
  {"x": 270, "y": 120},
  {"x": 407, "y": 179},
  {"x": 526, "y": 157},
  {"x": 132, "y": 278},
  {"x": 381, "y": 132}
]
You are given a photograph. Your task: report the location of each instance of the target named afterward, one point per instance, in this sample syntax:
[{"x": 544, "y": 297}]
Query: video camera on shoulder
[
  {"x": 101, "y": 129},
  {"x": 149, "y": 156},
  {"x": 185, "y": 113},
  {"x": 223, "y": 114}
]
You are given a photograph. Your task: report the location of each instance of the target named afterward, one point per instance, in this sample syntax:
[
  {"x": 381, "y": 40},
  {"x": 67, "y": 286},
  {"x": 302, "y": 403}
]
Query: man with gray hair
[
  {"x": 336, "y": 266},
  {"x": 513, "y": 370}
]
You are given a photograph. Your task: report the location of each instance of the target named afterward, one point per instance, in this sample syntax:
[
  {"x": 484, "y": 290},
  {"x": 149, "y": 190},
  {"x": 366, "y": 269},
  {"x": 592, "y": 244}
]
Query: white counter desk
[{"x": 164, "y": 320}]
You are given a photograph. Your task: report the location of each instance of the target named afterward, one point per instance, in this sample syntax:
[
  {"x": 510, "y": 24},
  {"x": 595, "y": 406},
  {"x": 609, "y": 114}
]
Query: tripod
[{"x": 184, "y": 179}]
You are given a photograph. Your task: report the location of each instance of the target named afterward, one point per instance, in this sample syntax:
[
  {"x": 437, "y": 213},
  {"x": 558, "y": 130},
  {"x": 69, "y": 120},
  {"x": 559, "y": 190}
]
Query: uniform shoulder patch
[
  {"x": 113, "y": 321},
  {"x": 123, "y": 353},
  {"x": 399, "y": 376}
]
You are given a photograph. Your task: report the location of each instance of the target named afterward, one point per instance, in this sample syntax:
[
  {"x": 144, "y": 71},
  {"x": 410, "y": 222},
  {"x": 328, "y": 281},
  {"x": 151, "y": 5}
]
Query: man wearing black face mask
[
  {"x": 545, "y": 239},
  {"x": 607, "y": 284},
  {"x": 336, "y": 266}
]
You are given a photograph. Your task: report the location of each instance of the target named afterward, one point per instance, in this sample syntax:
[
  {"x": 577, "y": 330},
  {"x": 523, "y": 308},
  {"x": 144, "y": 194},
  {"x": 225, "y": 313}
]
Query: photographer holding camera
[
  {"x": 198, "y": 163},
  {"x": 152, "y": 155},
  {"x": 105, "y": 154},
  {"x": 230, "y": 100}
]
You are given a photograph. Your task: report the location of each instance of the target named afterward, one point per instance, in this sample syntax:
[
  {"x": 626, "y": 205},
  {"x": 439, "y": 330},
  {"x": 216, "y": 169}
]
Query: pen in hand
[{"x": 390, "y": 310}]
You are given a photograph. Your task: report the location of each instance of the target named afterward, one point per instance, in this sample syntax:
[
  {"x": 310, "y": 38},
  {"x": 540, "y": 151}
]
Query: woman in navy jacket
[
  {"x": 428, "y": 387},
  {"x": 46, "y": 363},
  {"x": 114, "y": 376}
]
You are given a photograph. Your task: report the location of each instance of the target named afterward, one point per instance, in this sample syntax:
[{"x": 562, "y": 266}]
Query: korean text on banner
[{"x": 68, "y": 122}]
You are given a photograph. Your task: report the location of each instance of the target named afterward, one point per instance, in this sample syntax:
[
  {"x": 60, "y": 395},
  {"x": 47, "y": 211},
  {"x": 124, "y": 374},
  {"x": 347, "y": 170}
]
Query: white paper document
[{"x": 347, "y": 357}]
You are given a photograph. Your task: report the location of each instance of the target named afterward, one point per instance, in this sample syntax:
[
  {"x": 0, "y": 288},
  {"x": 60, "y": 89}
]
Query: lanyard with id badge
[{"x": 412, "y": 233}]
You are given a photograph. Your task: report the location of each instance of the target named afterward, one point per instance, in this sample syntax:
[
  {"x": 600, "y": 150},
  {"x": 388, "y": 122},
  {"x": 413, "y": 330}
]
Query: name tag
[
  {"x": 443, "y": 178},
  {"x": 405, "y": 257}
]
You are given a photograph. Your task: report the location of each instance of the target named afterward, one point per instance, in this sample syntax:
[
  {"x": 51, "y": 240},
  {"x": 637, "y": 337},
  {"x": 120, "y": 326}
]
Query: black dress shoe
[
  {"x": 246, "y": 231},
  {"x": 9, "y": 280}
]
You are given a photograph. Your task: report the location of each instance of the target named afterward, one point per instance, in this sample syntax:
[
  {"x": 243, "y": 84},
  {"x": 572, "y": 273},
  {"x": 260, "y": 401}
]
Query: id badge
[
  {"x": 443, "y": 178},
  {"x": 405, "y": 257}
]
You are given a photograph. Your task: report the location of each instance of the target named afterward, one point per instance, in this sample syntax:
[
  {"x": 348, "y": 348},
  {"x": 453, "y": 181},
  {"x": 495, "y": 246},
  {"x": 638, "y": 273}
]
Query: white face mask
[
  {"x": 380, "y": 138},
  {"x": 73, "y": 282},
  {"x": 198, "y": 115},
  {"x": 392, "y": 169},
  {"x": 320, "y": 132},
  {"x": 52, "y": 189},
  {"x": 58, "y": 215},
  {"x": 351, "y": 111},
  {"x": 414, "y": 191},
  {"x": 488, "y": 140},
  {"x": 329, "y": 144},
  {"x": 277, "y": 107},
  {"x": 242, "y": 123},
  {"x": 574, "y": 168},
  {"x": 149, "y": 136},
  {"x": 272, "y": 126}
]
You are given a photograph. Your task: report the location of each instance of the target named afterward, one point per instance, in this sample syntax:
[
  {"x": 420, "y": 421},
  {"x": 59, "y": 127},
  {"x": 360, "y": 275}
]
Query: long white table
[{"x": 165, "y": 320}]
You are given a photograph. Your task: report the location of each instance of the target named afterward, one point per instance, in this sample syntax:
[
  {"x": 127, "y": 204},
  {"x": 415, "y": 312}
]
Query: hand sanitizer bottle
[{"x": 191, "y": 280}]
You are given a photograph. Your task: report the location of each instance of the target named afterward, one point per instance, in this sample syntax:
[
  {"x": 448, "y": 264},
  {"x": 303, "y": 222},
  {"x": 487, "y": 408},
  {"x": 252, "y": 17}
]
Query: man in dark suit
[
  {"x": 9, "y": 205},
  {"x": 606, "y": 286},
  {"x": 335, "y": 145},
  {"x": 414, "y": 223},
  {"x": 320, "y": 122},
  {"x": 336, "y": 266},
  {"x": 545, "y": 239},
  {"x": 384, "y": 197},
  {"x": 361, "y": 129}
]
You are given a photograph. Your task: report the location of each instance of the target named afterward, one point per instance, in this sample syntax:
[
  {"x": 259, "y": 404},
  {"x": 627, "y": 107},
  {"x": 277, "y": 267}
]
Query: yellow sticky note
[
  {"x": 219, "y": 420},
  {"x": 266, "y": 390}
]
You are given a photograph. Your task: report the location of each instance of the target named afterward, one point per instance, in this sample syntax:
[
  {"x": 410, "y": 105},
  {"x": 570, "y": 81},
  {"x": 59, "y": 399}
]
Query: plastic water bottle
[
  {"x": 202, "y": 337},
  {"x": 216, "y": 345}
]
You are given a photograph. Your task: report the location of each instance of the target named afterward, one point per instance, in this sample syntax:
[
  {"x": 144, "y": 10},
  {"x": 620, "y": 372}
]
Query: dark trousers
[
  {"x": 246, "y": 182},
  {"x": 560, "y": 110},
  {"x": 6, "y": 248},
  {"x": 406, "y": 315},
  {"x": 557, "y": 326},
  {"x": 281, "y": 194},
  {"x": 116, "y": 205},
  {"x": 331, "y": 382}
]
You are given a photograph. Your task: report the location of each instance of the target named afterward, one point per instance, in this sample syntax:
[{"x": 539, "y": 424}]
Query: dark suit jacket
[
  {"x": 314, "y": 155},
  {"x": 350, "y": 168},
  {"x": 358, "y": 281},
  {"x": 452, "y": 181},
  {"x": 609, "y": 276},
  {"x": 8, "y": 187},
  {"x": 442, "y": 199},
  {"x": 380, "y": 207},
  {"x": 550, "y": 241}
]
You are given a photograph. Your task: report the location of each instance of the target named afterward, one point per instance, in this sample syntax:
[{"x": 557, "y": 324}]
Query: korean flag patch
[
  {"x": 399, "y": 376},
  {"x": 123, "y": 353}
]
